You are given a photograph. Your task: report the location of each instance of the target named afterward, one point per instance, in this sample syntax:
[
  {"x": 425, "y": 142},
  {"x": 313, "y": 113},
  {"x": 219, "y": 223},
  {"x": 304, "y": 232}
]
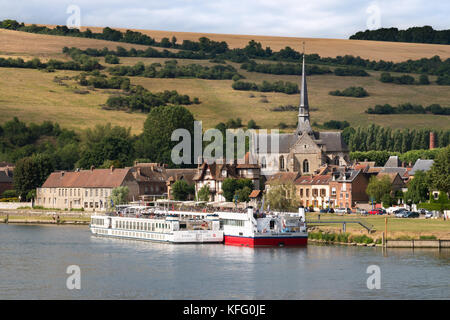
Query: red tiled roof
[
  {"x": 96, "y": 178},
  {"x": 255, "y": 194}
]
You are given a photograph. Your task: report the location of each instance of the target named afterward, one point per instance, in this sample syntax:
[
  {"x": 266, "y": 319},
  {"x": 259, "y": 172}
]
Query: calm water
[{"x": 33, "y": 262}]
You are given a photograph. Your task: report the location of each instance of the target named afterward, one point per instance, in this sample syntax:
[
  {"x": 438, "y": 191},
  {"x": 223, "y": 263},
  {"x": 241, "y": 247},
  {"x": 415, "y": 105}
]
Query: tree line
[
  {"x": 253, "y": 50},
  {"x": 425, "y": 34},
  {"x": 409, "y": 108},
  {"x": 283, "y": 68},
  {"x": 171, "y": 69},
  {"x": 83, "y": 63},
  {"x": 266, "y": 86},
  {"x": 375, "y": 137},
  {"x": 356, "y": 92}
]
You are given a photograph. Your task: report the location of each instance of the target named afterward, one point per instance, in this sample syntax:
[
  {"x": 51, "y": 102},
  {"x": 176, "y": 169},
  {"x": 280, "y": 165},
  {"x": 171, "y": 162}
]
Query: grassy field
[
  {"x": 32, "y": 95},
  {"x": 396, "y": 227}
]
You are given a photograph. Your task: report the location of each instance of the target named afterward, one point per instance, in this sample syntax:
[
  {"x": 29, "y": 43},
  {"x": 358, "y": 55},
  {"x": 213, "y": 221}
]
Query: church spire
[{"x": 303, "y": 108}]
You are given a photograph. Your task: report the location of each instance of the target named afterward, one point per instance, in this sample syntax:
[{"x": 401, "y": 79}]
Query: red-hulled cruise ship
[{"x": 252, "y": 230}]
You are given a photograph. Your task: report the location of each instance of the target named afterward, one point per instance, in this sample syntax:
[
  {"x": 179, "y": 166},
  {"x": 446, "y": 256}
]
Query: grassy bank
[{"x": 397, "y": 228}]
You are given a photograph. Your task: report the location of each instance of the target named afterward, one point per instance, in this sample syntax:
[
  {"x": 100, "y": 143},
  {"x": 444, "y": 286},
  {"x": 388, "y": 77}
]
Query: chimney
[
  {"x": 432, "y": 138},
  {"x": 112, "y": 168},
  {"x": 92, "y": 168}
]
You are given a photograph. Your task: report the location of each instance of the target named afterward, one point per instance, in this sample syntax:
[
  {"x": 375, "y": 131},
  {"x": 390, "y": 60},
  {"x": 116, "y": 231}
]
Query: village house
[
  {"x": 89, "y": 190},
  {"x": 213, "y": 175},
  {"x": 151, "y": 179},
  {"x": 6, "y": 176},
  {"x": 314, "y": 191},
  {"x": 348, "y": 188},
  {"x": 174, "y": 175}
]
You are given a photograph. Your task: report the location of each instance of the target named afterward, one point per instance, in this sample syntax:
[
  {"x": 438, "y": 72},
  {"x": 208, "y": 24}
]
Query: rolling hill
[{"x": 32, "y": 95}]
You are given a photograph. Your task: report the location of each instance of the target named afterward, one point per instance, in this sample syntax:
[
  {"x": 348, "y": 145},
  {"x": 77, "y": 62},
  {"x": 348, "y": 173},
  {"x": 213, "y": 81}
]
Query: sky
[{"x": 299, "y": 18}]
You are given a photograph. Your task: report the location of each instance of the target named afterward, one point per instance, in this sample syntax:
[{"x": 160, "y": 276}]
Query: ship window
[{"x": 272, "y": 224}]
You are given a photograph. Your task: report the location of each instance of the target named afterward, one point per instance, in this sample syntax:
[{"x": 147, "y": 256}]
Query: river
[{"x": 34, "y": 261}]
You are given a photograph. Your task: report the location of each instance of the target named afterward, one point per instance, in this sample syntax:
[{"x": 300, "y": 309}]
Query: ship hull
[{"x": 272, "y": 241}]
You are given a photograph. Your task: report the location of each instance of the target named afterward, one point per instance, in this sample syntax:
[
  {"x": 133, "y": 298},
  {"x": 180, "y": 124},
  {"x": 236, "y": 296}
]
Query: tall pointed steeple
[{"x": 303, "y": 108}]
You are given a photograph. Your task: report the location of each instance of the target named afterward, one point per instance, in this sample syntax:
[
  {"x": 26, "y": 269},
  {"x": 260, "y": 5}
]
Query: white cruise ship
[{"x": 159, "y": 227}]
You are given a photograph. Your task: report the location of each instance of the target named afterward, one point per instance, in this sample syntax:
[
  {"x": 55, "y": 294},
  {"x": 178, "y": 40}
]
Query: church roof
[{"x": 333, "y": 141}]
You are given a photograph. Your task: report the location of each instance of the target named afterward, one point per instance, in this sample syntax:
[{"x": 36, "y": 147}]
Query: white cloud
[{"x": 318, "y": 18}]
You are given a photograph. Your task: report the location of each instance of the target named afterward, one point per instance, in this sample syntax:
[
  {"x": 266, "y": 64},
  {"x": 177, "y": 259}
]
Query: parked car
[
  {"x": 323, "y": 210},
  {"x": 429, "y": 215},
  {"x": 362, "y": 211},
  {"x": 330, "y": 210},
  {"x": 343, "y": 210},
  {"x": 423, "y": 211},
  {"x": 400, "y": 210},
  {"x": 400, "y": 214},
  {"x": 411, "y": 214},
  {"x": 392, "y": 210},
  {"x": 377, "y": 211}
]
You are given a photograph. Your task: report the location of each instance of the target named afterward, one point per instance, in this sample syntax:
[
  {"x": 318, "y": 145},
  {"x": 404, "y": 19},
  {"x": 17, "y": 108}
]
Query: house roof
[
  {"x": 283, "y": 177},
  {"x": 95, "y": 178},
  {"x": 255, "y": 194},
  {"x": 391, "y": 175},
  {"x": 400, "y": 170},
  {"x": 181, "y": 174},
  {"x": 393, "y": 162},
  {"x": 421, "y": 165},
  {"x": 344, "y": 175},
  {"x": 5, "y": 177},
  {"x": 215, "y": 170}
]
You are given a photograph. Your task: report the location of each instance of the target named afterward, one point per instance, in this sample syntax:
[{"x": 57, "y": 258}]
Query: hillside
[{"x": 32, "y": 95}]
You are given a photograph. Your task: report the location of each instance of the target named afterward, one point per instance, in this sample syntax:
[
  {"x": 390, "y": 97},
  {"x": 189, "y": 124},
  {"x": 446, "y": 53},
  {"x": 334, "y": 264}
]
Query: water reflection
[{"x": 33, "y": 261}]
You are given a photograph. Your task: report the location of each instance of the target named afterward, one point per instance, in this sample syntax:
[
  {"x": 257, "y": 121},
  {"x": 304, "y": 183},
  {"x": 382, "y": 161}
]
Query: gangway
[{"x": 369, "y": 227}]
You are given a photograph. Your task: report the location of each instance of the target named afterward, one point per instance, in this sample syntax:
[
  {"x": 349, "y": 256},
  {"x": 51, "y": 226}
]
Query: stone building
[
  {"x": 303, "y": 151},
  {"x": 87, "y": 189},
  {"x": 348, "y": 188}
]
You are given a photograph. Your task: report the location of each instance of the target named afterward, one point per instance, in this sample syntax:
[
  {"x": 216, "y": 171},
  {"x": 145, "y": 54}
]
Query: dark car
[
  {"x": 330, "y": 210},
  {"x": 411, "y": 214}
]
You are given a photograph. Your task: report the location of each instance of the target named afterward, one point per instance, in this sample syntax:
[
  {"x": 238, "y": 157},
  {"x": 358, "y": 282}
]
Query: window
[
  {"x": 263, "y": 162},
  {"x": 281, "y": 163},
  {"x": 333, "y": 191},
  {"x": 307, "y": 192},
  {"x": 301, "y": 192},
  {"x": 305, "y": 166}
]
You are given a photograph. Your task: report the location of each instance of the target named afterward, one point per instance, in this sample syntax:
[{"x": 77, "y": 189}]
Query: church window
[
  {"x": 281, "y": 163},
  {"x": 305, "y": 166}
]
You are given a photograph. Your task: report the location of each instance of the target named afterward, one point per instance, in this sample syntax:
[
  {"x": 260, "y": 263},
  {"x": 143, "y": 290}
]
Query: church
[{"x": 305, "y": 151}]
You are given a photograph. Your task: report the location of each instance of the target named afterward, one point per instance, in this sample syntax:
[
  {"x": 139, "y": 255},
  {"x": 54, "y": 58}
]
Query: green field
[{"x": 32, "y": 95}]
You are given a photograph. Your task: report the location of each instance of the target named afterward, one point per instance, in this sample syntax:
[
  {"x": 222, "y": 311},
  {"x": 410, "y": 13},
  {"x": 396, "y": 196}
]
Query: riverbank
[
  {"x": 44, "y": 217},
  {"x": 394, "y": 228}
]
